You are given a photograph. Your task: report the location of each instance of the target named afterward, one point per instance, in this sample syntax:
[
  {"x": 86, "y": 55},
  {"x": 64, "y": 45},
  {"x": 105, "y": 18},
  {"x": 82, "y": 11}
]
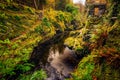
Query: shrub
[
  {"x": 85, "y": 69},
  {"x": 37, "y": 75},
  {"x": 70, "y": 8}
]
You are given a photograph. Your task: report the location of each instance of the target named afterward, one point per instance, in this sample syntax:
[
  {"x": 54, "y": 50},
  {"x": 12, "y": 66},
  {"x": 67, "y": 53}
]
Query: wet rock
[{"x": 61, "y": 65}]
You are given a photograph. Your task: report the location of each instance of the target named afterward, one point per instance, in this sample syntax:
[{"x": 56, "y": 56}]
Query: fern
[
  {"x": 6, "y": 41},
  {"x": 37, "y": 75}
]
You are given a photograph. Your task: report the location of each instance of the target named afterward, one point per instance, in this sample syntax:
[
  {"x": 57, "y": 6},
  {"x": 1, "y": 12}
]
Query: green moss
[
  {"x": 107, "y": 71},
  {"x": 73, "y": 42},
  {"x": 85, "y": 68},
  {"x": 21, "y": 31},
  {"x": 37, "y": 75}
]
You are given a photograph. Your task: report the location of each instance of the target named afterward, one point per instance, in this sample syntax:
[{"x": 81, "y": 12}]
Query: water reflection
[{"x": 60, "y": 65}]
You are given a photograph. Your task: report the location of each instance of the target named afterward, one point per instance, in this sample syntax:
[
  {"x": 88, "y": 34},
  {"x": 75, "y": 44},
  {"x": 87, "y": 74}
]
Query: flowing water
[{"x": 56, "y": 59}]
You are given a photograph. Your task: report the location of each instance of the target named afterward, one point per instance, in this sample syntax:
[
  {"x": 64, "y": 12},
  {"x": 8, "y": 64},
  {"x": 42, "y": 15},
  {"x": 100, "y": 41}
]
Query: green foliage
[
  {"x": 20, "y": 31},
  {"x": 6, "y": 41},
  {"x": 70, "y": 8},
  {"x": 2, "y": 6},
  {"x": 17, "y": 18},
  {"x": 44, "y": 27},
  {"x": 39, "y": 29},
  {"x": 8, "y": 1},
  {"x": 30, "y": 10},
  {"x": 46, "y": 22},
  {"x": 10, "y": 55},
  {"x": 85, "y": 69},
  {"x": 61, "y": 17},
  {"x": 94, "y": 37},
  {"x": 24, "y": 67},
  {"x": 106, "y": 72},
  {"x": 13, "y": 7},
  {"x": 60, "y": 4},
  {"x": 74, "y": 42},
  {"x": 6, "y": 69},
  {"x": 13, "y": 24},
  {"x": 3, "y": 16},
  {"x": 37, "y": 75},
  {"x": 16, "y": 38},
  {"x": 55, "y": 20},
  {"x": 15, "y": 46}
]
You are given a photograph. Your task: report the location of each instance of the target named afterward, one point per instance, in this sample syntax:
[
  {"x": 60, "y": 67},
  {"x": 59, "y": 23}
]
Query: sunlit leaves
[
  {"x": 8, "y": 1},
  {"x": 70, "y": 8},
  {"x": 6, "y": 41},
  {"x": 24, "y": 67},
  {"x": 38, "y": 75},
  {"x": 85, "y": 69},
  {"x": 46, "y": 22}
]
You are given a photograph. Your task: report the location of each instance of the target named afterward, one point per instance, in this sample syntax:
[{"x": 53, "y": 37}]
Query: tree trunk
[{"x": 36, "y": 6}]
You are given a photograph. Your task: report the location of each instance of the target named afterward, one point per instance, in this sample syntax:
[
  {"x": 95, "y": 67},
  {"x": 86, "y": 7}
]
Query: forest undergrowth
[{"x": 94, "y": 38}]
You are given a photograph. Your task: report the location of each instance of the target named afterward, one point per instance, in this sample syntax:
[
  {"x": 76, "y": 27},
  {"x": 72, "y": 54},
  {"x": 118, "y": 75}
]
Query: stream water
[
  {"x": 60, "y": 65},
  {"x": 55, "y": 58}
]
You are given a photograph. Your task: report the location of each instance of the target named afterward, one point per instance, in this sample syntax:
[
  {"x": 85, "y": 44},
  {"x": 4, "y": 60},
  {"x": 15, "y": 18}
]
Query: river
[{"x": 55, "y": 58}]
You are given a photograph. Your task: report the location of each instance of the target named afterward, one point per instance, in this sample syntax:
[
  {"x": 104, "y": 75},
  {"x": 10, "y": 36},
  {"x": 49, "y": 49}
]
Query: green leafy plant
[
  {"x": 8, "y": 1},
  {"x": 2, "y": 6},
  {"x": 24, "y": 67},
  {"x": 17, "y": 17},
  {"x": 30, "y": 10},
  {"x": 6, "y": 41},
  {"x": 37, "y": 75},
  {"x": 85, "y": 69},
  {"x": 39, "y": 29},
  {"x": 3, "y": 16},
  {"x": 46, "y": 22},
  {"x": 70, "y": 8},
  {"x": 60, "y": 17}
]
